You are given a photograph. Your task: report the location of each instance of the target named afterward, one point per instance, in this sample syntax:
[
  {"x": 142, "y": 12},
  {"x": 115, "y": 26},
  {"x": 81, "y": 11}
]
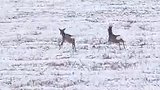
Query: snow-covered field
[{"x": 30, "y": 58}]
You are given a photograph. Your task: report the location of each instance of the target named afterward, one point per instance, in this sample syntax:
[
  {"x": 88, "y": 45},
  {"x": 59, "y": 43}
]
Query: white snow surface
[{"x": 30, "y": 58}]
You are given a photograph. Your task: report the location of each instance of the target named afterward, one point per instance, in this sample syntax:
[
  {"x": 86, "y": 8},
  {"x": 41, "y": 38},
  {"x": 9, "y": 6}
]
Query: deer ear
[
  {"x": 64, "y": 29},
  {"x": 60, "y": 29}
]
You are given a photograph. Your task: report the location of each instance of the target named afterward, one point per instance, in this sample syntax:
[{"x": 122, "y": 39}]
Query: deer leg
[
  {"x": 119, "y": 46},
  {"x": 73, "y": 45},
  {"x": 61, "y": 44},
  {"x": 124, "y": 46}
]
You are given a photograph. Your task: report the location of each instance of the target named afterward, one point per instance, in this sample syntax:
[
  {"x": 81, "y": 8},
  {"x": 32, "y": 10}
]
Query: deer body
[
  {"x": 115, "y": 38},
  {"x": 67, "y": 38}
]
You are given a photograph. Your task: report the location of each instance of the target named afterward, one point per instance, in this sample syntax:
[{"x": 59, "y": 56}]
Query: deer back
[{"x": 68, "y": 38}]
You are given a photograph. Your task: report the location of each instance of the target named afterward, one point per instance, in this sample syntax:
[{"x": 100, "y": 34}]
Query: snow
[{"x": 29, "y": 45}]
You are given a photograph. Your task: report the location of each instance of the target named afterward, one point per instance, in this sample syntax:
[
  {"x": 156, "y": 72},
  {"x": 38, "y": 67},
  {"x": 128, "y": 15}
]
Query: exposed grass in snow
[{"x": 29, "y": 45}]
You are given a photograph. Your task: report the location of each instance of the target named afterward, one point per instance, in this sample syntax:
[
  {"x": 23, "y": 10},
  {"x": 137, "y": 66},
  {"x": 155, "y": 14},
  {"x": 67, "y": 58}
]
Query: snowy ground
[{"x": 30, "y": 57}]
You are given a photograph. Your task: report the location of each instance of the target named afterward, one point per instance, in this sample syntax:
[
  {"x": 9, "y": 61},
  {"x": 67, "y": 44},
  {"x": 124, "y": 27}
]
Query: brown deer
[
  {"x": 68, "y": 38},
  {"x": 115, "y": 38}
]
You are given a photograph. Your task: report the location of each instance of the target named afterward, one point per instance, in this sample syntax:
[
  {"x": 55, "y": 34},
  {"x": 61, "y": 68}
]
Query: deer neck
[
  {"x": 110, "y": 31},
  {"x": 63, "y": 34}
]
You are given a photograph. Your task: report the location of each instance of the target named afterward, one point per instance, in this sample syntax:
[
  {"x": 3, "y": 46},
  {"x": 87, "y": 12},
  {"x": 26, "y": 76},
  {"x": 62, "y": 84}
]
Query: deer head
[
  {"x": 62, "y": 31},
  {"x": 110, "y": 29}
]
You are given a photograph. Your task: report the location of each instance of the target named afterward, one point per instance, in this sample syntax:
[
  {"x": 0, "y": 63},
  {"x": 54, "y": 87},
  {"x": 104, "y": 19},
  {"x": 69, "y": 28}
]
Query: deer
[
  {"x": 115, "y": 38},
  {"x": 67, "y": 38}
]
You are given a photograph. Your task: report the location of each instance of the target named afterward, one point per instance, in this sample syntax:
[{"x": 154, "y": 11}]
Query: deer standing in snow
[
  {"x": 115, "y": 38},
  {"x": 68, "y": 38}
]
